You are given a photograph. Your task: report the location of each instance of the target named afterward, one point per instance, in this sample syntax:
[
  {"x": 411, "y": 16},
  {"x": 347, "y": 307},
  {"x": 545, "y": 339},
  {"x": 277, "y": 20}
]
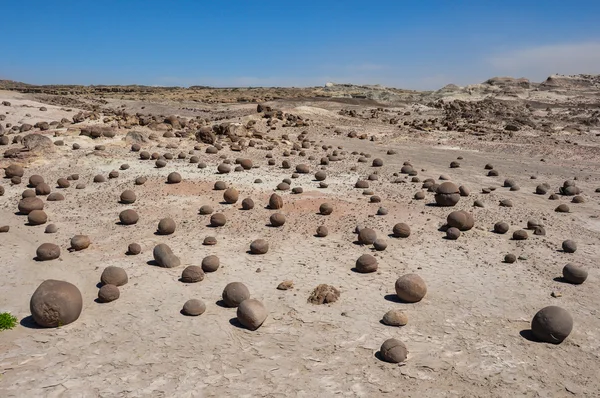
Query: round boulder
[
  {"x": 193, "y": 307},
  {"x": 192, "y": 274},
  {"x": 410, "y": 288},
  {"x": 461, "y": 219},
  {"x": 128, "y": 217},
  {"x": 552, "y": 324},
  {"x": 29, "y": 204},
  {"x": 447, "y": 194},
  {"x": 166, "y": 226},
  {"x": 113, "y": 275},
  {"x": 235, "y": 293},
  {"x": 251, "y": 313},
  {"x": 366, "y": 263},
  {"x": 47, "y": 251},
  {"x": 210, "y": 263},
  {"x": 55, "y": 303},
  {"x": 80, "y": 242},
  {"x": 574, "y": 274},
  {"x": 108, "y": 293},
  {"x": 401, "y": 230},
  {"x": 393, "y": 351},
  {"x": 37, "y": 217},
  {"x": 259, "y": 246}
]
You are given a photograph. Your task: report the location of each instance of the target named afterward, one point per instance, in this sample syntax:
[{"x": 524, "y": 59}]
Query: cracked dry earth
[{"x": 466, "y": 338}]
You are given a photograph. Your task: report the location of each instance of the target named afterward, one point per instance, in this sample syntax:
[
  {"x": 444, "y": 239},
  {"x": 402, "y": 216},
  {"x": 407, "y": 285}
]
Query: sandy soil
[{"x": 467, "y": 338}]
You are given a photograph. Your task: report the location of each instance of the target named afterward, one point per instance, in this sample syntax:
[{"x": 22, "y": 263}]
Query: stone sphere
[
  {"x": 220, "y": 186},
  {"x": 569, "y": 246},
  {"x": 55, "y": 196},
  {"x": 461, "y": 219},
  {"x": 35, "y": 180},
  {"x": 501, "y": 227},
  {"x": 210, "y": 263},
  {"x": 510, "y": 258},
  {"x": 218, "y": 220},
  {"x": 134, "y": 249},
  {"x": 51, "y": 229},
  {"x": 113, "y": 275},
  {"x": 277, "y": 219},
  {"x": 128, "y": 217},
  {"x": 302, "y": 169},
  {"x": 206, "y": 209},
  {"x": 231, "y": 195},
  {"x": 563, "y": 208},
  {"x": 174, "y": 178},
  {"x": 380, "y": 244},
  {"x": 401, "y": 230},
  {"x": 14, "y": 170},
  {"x": 453, "y": 233},
  {"x": 322, "y": 231},
  {"x": 411, "y": 288},
  {"x": 193, "y": 307},
  {"x": 63, "y": 183},
  {"x": 108, "y": 293},
  {"x": 247, "y": 204},
  {"x": 234, "y": 293},
  {"x": 552, "y": 324},
  {"x": 164, "y": 257},
  {"x": 251, "y": 313},
  {"x": 223, "y": 168},
  {"x": 361, "y": 184},
  {"x": 80, "y": 242},
  {"x": 367, "y": 236},
  {"x": 166, "y": 226},
  {"x": 99, "y": 178},
  {"x": 275, "y": 202},
  {"x": 259, "y": 246},
  {"x": 192, "y": 274},
  {"x": 37, "y": 217},
  {"x": 27, "y": 205},
  {"x": 47, "y": 251},
  {"x": 533, "y": 224},
  {"x": 447, "y": 194},
  {"x": 395, "y": 318},
  {"x": 574, "y": 274},
  {"x": 366, "y": 263},
  {"x": 520, "y": 234},
  {"x": 320, "y": 175},
  {"x": 419, "y": 195},
  {"x": 28, "y": 193},
  {"x": 210, "y": 241},
  {"x": 326, "y": 209},
  {"x": 393, "y": 351},
  {"x": 55, "y": 303},
  {"x": 128, "y": 196},
  {"x": 140, "y": 180}
]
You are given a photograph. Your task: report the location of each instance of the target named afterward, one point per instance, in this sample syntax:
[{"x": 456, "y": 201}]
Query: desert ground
[{"x": 468, "y": 337}]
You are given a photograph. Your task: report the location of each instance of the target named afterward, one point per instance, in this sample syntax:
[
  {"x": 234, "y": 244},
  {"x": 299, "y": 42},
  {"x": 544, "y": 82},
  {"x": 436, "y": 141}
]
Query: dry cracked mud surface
[{"x": 468, "y": 337}]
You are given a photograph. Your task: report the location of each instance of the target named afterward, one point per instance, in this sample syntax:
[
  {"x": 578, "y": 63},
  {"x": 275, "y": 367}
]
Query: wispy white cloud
[{"x": 539, "y": 62}]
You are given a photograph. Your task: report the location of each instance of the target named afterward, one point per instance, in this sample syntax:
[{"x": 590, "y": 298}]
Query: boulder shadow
[
  {"x": 527, "y": 334},
  {"x": 560, "y": 279},
  {"x": 153, "y": 263},
  {"x": 221, "y": 303},
  {"x": 393, "y": 298},
  {"x": 29, "y": 323},
  {"x": 234, "y": 322}
]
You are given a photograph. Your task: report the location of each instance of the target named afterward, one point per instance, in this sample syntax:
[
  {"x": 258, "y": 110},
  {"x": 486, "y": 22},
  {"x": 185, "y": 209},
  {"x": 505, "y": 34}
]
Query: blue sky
[{"x": 407, "y": 44}]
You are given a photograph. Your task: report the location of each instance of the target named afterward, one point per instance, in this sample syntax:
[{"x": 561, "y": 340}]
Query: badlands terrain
[{"x": 469, "y": 336}]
